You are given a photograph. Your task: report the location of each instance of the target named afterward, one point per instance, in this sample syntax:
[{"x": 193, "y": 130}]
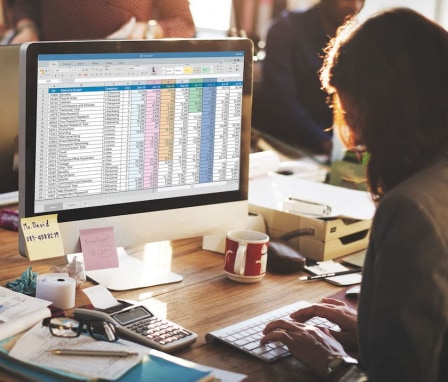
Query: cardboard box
[{"x": 330, "y": 237}]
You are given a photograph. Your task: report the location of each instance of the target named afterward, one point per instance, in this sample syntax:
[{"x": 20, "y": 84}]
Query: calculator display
[{"x": 131, "y": 315}]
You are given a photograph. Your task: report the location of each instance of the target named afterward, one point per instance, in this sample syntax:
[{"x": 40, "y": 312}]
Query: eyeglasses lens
[
  {"x": 102, "y": 330},
  {"x": 64, "y": 327}
]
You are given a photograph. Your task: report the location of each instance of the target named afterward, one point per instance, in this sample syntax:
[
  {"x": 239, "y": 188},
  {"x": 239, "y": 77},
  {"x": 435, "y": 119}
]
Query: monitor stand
[{"x": 130, "y": 274}]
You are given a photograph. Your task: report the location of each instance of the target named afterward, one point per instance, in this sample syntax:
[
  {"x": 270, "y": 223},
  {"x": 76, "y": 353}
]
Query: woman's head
[{"x": 389, "y": 75}]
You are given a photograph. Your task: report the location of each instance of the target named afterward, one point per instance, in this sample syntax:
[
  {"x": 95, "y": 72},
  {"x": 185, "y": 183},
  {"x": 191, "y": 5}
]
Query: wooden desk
[{"x": 204, "y": 301}]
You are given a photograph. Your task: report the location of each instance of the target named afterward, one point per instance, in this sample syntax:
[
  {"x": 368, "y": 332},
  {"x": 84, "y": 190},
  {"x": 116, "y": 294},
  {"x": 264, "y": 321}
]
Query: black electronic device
[{"x": 136, "y": 323}]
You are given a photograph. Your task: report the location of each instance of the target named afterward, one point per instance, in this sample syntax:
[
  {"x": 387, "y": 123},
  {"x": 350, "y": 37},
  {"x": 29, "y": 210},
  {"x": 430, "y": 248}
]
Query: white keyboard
[
  {"x": 9, "y": 198},
  {"x": 246, "y": 335}
]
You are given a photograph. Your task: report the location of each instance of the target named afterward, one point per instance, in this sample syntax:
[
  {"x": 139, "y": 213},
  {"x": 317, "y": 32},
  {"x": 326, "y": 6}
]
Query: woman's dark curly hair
[{"x": 394, "y": 69}]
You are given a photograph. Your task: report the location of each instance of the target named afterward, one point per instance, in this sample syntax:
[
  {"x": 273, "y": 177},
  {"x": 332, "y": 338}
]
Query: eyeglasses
[{"x": 69, "y": 327}]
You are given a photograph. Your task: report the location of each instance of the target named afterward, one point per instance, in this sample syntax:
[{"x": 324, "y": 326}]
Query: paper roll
[{"x": 58, "y": 288}]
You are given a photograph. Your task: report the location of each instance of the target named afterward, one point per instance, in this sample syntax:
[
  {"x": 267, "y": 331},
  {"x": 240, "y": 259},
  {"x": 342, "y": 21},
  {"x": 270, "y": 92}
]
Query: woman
[{"x": 388, "y": 79}]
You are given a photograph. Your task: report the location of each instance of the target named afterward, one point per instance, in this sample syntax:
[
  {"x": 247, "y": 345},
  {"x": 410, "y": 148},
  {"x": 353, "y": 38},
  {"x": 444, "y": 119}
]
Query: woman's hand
[
  {"x": 312, "y": 346},
  {"x": 338, "y": 312}
]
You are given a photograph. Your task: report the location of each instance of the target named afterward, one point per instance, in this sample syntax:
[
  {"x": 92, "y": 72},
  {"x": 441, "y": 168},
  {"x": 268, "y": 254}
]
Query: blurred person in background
[
  {"x": 291, "y": 105},
  {"x": 53, "y": 20}
]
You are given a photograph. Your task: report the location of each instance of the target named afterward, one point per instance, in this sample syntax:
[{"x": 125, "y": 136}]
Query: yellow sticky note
[{"x": 42, "y": 236}]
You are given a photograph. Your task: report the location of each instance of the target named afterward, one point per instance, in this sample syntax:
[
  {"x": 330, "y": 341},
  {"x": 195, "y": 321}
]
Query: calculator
[{"x": 136, "y": 323}]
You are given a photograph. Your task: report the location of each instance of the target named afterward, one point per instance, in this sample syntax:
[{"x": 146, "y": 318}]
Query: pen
[
  {"x": 94, "y": 353},
  {"x": 325, "y": 275}
]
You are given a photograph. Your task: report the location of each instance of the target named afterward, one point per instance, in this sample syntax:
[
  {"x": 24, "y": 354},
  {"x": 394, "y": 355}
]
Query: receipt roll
[{"x": 58, "y": 288}]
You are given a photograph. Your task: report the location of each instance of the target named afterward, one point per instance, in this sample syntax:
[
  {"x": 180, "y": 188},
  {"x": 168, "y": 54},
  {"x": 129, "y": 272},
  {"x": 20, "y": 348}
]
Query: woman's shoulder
[
  {"x": 422, "y": 193},
  {"x": 428, "y": 181}
]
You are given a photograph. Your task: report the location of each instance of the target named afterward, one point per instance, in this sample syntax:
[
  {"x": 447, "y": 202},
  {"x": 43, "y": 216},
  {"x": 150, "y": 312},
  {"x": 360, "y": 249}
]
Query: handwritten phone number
[{"x": 43, "y": 236}]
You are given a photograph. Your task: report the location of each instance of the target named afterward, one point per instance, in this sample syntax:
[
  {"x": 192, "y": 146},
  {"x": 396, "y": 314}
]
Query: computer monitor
[
  {"x": 151, "y": 137},
  {"x": 9, "y": 122}
]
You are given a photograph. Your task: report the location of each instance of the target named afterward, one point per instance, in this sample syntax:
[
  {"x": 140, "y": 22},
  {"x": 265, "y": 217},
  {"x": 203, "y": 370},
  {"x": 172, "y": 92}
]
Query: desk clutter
[
  {"x": 134, "y": 321},
  {"x": 58, "y": 287},
  {"x": 34, "y": 349},
  {"x": 204, "y": 302},
  {"x": 333, "y": 272},
  {"x": 338, "y": 218},
  {"x": 19, "y": 312},
  {"x": 33, "y": 357}
]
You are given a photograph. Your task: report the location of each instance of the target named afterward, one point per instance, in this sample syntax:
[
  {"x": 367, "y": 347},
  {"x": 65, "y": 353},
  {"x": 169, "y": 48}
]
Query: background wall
[
  {"x": 214, "y": 18},
  {"x": 436, "y": 10}
]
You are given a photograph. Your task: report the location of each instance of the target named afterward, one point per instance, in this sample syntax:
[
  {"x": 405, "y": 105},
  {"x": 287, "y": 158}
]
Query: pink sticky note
[{"x": 98, "y": 248}]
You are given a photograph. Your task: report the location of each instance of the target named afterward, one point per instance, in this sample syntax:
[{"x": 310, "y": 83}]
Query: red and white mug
[{"x": 246, "y": 255}]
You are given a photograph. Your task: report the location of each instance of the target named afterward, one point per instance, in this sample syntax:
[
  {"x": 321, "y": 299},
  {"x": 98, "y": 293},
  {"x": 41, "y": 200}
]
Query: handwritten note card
[
  {"x": 99, "y": 248},
  {"x": 42, "y": 237}
]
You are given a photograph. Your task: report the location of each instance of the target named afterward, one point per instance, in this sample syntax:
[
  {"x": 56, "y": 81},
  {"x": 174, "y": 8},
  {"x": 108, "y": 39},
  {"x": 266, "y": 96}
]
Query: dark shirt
[
  {"x": 403, "y": 308},
  {"x": 292, "y": 107}
]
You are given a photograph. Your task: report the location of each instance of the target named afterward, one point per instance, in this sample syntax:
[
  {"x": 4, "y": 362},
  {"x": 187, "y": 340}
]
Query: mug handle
[{"x": 240, "y": 259}]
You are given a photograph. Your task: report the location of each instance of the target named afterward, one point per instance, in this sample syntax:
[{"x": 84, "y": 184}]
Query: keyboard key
[{"x": 323, "y": 322}]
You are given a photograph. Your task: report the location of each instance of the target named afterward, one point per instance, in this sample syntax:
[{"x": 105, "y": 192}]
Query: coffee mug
[{"x": 246, "y": 255}]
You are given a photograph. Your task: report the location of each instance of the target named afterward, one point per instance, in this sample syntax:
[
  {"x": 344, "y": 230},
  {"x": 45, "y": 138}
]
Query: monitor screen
[{"x": 149, "y": 137}]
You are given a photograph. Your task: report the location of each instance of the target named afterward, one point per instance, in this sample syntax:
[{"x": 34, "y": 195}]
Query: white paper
[
  {"x": 35, "y": 347},
  {"x": 262, "y": 162},
  {"x": 19, "y": 312},
  {"x": 342, "y": 280},
  {"x": 100, "y": 297},
  {"x": 272, "y": 190},
  {"x": 324, "y": 267},
  {"x": 266, "y": 162}
]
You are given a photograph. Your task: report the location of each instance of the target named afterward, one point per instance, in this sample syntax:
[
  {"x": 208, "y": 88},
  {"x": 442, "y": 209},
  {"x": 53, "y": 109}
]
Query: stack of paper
[
  {"x": 273, "y": 190},
  {"x": 19, "y": 312},
  {"x": 330, "y": 266}
]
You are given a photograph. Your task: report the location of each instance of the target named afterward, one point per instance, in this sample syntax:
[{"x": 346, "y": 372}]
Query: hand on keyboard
[
  {"x": 246, "y": 335},
  {"x": 335, "y": 311},
  {"x": 305, "y": 342}
]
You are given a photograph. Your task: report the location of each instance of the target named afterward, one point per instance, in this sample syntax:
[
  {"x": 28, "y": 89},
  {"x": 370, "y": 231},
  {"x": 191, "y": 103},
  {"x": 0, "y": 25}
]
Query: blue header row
[
  {"x": 144, "y": 87},
  {"x": 143, "y": 55}
]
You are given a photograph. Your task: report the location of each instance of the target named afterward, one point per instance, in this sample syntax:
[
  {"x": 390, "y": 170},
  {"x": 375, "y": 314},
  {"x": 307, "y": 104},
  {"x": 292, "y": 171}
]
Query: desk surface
[{"x": 204, "y": 301}]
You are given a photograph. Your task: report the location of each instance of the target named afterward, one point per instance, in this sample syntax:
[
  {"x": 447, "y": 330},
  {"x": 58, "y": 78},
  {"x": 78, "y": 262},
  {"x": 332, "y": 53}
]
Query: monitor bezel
[{"x": 29, "y": 70}]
